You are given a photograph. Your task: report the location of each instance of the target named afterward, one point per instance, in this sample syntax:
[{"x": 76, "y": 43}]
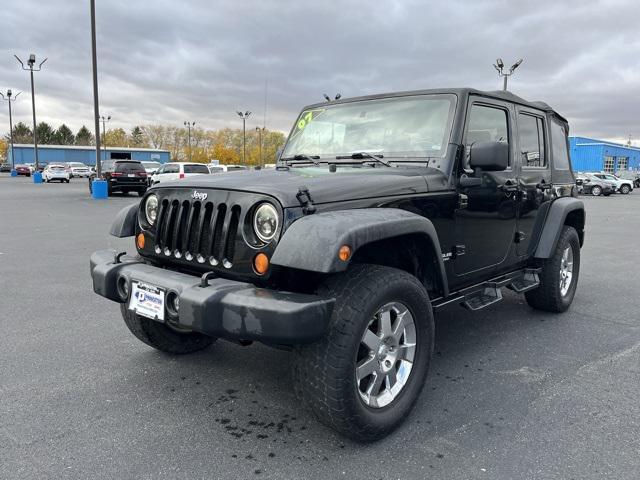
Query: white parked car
[
  {"x": 79, "y": 169},
  {"x": 621, "y": 185},
  {"x": 56, "y": 172},
  {"x": 217, "y": 168},
  {"x": 151, "y": 167},
  {"x": 177, "y": 170}
]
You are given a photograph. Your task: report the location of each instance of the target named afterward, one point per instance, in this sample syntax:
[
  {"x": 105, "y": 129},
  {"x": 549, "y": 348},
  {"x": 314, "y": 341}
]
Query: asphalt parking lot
[{"x": 513, "y": 393}]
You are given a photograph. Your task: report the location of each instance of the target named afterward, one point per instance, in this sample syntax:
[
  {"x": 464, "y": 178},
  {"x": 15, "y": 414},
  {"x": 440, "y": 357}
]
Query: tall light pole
[
  {"x": 260, "y": 130},
  {"x": 94, "y": 67},
  {"x": 244, "y": 117},
  {"x": 499, "y": 65},
  {"x": 30, "y": 63},
  {"x": 104, "y": 133},
  {"x": 9, "y": 99},
  {"x": 189, "y": 125}
]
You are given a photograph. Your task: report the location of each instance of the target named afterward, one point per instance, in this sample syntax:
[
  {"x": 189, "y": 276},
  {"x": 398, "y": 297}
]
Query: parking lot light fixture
[
  {"x": 499, "y": 66},
  {"x": 8, "y": 99},
  {"x": 244, "y": 116},
  {"x": 30, "y": 68},
  {"x": 189, "y": 125}
]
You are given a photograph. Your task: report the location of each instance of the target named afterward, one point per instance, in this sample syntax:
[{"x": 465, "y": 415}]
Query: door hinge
[
  {"x": 463, "y": 201},
  {"x": 459, "y": 250},
  {"x": 519, "y": 237}
]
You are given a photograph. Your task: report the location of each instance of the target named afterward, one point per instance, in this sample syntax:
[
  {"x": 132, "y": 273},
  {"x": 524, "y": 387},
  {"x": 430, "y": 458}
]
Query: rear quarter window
[
  {"x": 196, "y": 169},
  {"x": 559, "y": 146}
]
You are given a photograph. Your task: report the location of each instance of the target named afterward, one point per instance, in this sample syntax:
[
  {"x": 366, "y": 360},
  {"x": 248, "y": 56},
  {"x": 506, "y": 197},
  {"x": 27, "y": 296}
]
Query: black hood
[{"x": 324, "y": 186}]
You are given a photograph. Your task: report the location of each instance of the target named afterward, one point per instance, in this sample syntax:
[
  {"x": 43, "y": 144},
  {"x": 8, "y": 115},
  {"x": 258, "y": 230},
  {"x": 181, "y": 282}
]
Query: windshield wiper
[
  {"x": 362, "y": 155},
  {"x": 300, "y": 157}
]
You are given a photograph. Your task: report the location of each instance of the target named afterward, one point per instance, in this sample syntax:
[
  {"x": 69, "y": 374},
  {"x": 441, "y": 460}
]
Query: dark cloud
[{"x": 167, "y": 61}]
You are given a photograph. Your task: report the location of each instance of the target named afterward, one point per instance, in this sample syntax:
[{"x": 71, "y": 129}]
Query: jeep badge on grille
[{"x": 196, "y": 195}]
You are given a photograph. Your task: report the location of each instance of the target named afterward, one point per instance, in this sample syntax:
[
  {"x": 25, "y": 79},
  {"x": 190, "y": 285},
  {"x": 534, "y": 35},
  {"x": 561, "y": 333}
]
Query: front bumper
[{"x": 224, "y": 308}]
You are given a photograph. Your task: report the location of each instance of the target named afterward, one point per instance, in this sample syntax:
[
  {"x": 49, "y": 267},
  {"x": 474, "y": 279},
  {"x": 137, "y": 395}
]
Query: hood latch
[{"x": 304, "y": 197}]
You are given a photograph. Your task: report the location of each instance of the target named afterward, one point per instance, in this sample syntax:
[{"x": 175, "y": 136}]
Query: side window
[
  {"x": 171, "y": 168},
  {"x": 486, "y": 124},
  {"x": 559, "y": 146},
  {"x": 531, "y": 136}
]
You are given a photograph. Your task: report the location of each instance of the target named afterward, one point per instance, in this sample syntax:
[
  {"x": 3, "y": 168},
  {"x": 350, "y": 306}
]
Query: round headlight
[
  {"x": 151, "y": 208},
  {"x": 265, "y": 222}
]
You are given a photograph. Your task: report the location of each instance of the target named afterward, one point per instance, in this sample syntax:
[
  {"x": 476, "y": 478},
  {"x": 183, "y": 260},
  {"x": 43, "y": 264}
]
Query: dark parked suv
[
  {"x": 382, "y": 210},
  {"x": 123, "y": 176}
]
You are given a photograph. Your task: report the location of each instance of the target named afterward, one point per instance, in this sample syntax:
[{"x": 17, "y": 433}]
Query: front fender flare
[
  {"x": 312, "y": 242},
  {"x": 124, "y": 225}
]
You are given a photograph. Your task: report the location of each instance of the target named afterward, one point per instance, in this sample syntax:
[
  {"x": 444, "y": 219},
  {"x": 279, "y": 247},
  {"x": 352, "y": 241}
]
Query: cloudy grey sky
[{"x": 168, "y": 61}]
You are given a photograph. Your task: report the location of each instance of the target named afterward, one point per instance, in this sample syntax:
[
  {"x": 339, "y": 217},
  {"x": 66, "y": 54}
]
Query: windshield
[{"x": 415, "y": 127}]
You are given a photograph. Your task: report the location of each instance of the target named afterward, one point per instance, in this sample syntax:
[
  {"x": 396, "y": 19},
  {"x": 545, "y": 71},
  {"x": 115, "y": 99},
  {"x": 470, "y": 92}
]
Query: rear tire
[
  {"x": 164, "y": 338},
  {"x": 596, "y": 191},
  {"x": 554, "y": 293},
  {"x": 335, "y": 378}
]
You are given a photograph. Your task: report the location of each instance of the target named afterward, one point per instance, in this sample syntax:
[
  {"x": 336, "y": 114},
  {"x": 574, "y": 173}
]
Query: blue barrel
[
  {"x": 37, "y": 177},
  {"x": 99, "y": 189},
  {"x": 14, "y": 173}
]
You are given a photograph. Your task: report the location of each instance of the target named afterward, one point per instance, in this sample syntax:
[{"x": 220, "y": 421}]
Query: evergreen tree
[
  {"x": 84, "y": 137},
  {"x": 137, "y": 137},
  {"x": 22, "y": 133},
  {"x": 64, "y": 136},
  {"x": 44, "y": 133}
]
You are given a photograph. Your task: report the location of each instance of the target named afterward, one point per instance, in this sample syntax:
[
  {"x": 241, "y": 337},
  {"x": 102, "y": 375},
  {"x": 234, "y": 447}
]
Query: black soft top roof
[{"x": 460, "y": 92}]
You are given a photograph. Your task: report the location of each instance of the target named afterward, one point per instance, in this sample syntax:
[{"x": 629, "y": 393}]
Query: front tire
[
  {"x": 363, "y": 378},
  {"x": 559, "y": 276},
  {"x": 625, "y": 189},
  {"x": 164, "y": 338}
]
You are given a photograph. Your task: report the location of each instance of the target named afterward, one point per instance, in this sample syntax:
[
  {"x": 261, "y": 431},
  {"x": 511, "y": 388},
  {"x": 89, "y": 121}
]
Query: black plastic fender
[
  {"x": 312, "y": 242},
  {"x": 553, "y": 223},
  {"x": 124, "y": 224}
]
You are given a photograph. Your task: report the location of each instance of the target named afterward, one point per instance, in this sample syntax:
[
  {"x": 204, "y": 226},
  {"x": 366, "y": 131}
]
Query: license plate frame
[{"x": 147, "y": 300}]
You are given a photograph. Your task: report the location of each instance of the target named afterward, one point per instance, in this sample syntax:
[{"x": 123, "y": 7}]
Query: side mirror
[{"x": 489, "y": 156}]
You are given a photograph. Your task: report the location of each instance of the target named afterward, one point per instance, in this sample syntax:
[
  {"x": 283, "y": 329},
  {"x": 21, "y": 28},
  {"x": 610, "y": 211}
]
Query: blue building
[
  {"x": 86, "y": 155},
  {"x": 591, "y": 155}
]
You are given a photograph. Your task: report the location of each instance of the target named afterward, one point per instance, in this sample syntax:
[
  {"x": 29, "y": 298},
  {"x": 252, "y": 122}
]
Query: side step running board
[
  {"x": 477, "y": 297},
  {"x": 482, "y": 298},
  {"x": 528, "y": 281}
]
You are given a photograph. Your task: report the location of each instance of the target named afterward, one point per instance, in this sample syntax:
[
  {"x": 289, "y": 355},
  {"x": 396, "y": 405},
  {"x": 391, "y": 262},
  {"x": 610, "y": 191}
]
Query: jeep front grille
[{"x": 200, "y": 231}]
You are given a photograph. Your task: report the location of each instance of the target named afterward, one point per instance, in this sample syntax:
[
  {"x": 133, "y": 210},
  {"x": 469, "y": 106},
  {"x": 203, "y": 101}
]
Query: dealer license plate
[{"x": 147, "y": 300}]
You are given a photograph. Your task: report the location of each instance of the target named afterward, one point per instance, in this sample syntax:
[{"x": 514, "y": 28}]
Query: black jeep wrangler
[{"x": 382, "y": 210}]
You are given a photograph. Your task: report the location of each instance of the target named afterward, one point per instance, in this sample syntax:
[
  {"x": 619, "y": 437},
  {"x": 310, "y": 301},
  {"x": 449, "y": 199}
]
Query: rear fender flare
[{"x": 555, "y": 219}]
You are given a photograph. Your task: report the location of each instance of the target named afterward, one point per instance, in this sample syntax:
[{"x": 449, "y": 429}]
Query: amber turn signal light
[
  {"x": 261, "y": 263},
  {"x": 344, "y": 253},
  {"x": 140, "y": 241}
]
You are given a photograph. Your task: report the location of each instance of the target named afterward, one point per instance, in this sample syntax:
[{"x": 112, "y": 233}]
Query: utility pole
[
  {"x": 31, "y": 62},
  {"x": 104, "y": 134},
  {"x": 189, "y": 125},
  {"x": 244, "y": 117},
  {"x": 9, "y": 100},
  {"x": 499, "y": 66}
]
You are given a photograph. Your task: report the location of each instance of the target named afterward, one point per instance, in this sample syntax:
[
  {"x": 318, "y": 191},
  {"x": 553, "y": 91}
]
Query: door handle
[{"x": 509, "y": 186}]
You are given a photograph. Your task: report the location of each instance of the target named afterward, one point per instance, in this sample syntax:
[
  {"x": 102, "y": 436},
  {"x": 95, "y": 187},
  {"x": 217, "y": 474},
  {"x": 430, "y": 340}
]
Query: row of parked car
[
  {"x": 597, "y": 184},
  {"x": 126, "y": 176}
]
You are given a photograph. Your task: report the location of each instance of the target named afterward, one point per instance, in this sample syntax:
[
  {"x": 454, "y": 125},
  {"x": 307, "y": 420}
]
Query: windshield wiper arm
[
  {"x": 362, "y": 155},
  {"x": 302, "y": 157}
]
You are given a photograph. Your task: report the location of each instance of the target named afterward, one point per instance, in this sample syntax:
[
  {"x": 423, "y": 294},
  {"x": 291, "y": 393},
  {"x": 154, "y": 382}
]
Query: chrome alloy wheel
[
  {"x": 386, "y": 354},
  {"x": 566, "y": 270}
]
